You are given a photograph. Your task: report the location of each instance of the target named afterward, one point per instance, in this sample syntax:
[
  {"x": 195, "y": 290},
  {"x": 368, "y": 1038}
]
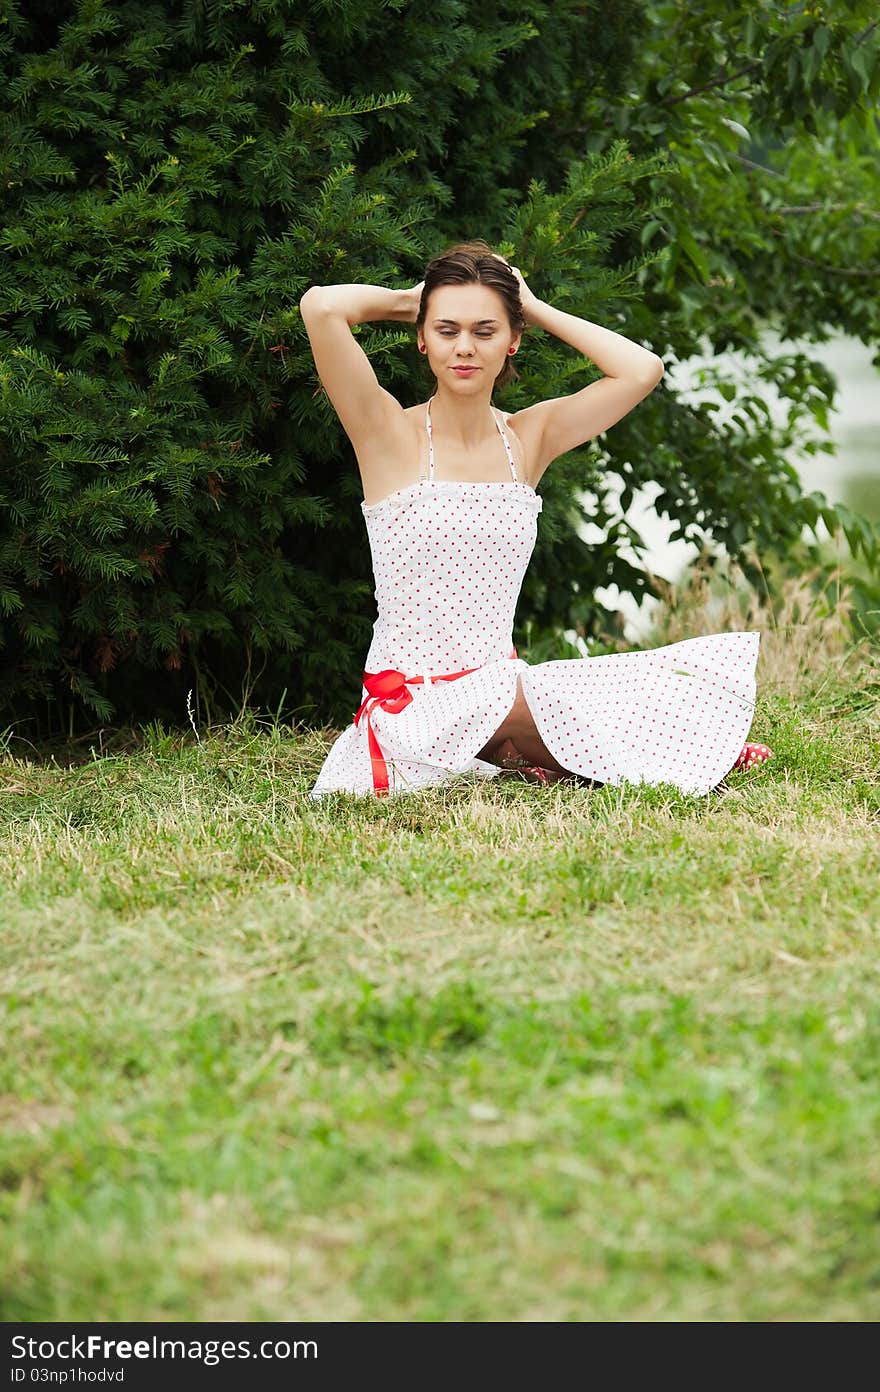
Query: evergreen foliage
[{"x": 178, "y": 504}]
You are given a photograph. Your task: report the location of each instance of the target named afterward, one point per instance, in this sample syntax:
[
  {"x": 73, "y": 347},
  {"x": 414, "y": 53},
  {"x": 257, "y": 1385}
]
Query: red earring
[{"x": 511, "y": 350}]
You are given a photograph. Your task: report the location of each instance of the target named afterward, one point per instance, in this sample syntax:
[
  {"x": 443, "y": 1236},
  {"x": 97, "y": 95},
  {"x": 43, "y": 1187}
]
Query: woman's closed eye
[{"x": 481, "y": 333}]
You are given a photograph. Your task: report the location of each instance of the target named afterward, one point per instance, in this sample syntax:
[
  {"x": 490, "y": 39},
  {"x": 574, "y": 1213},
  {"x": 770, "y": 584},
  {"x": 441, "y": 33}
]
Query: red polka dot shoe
[{"x": 752, "y": 755}]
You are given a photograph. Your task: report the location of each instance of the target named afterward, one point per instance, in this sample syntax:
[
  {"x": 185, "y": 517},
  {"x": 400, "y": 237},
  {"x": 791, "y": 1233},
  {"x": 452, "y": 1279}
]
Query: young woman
[{"x": 451, "y": 508}]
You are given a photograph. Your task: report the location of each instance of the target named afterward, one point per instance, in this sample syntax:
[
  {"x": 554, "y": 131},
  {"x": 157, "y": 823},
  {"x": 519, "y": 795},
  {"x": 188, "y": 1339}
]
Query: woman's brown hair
[{"x": 473, "y": 263}]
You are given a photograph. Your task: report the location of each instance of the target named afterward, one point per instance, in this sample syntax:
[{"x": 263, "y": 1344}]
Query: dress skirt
[{"x": 677, "y": 715}]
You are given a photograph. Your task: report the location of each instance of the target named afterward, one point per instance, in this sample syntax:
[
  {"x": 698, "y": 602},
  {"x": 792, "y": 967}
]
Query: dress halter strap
[{"x": 501, "y": 431}]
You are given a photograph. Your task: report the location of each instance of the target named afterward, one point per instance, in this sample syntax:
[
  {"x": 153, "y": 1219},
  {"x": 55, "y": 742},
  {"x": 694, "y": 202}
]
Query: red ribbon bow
[{"x": 389, "y": 689}]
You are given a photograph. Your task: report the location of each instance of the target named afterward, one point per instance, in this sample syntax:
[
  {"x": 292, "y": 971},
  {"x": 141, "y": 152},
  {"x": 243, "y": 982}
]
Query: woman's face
[{"x": 467, "y": 326}]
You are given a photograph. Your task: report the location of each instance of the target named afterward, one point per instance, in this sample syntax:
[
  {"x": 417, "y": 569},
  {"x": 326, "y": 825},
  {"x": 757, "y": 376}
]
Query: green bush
[{"x": 178, "y": 503}]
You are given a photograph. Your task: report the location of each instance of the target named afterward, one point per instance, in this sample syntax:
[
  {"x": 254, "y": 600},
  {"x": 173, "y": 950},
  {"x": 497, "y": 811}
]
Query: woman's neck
[{"x": 464, "y": 421}]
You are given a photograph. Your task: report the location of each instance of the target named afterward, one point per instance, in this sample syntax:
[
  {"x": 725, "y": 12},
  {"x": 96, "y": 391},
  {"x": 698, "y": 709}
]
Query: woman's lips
[{"x": 465, "y": 371}]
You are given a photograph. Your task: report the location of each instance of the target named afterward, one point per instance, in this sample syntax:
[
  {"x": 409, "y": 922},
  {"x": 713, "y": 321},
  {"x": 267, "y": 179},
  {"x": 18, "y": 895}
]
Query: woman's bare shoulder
[
  {"x": 525, "y": 429},
  {"x": 523, "y": 422}
]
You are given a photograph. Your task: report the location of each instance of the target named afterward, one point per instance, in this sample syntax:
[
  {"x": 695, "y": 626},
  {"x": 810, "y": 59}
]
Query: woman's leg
[
  {"x": 517, "y": 737},
  {"x": 516, "y": 744}
]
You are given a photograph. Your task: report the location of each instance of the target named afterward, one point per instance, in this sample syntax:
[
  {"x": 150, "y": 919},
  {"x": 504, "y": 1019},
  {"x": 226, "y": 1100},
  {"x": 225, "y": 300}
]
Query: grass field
[{"x": 491, "y": 1052}]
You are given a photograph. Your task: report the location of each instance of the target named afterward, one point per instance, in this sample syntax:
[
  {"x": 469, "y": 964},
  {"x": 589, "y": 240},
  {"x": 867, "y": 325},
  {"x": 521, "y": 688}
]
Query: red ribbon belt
[{"x": 389, "y": 689}]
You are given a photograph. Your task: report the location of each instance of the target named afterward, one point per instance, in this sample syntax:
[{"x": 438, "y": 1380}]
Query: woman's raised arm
[
  {"x": 346, "y": 373},
  {"x": 561, "y": 423}
]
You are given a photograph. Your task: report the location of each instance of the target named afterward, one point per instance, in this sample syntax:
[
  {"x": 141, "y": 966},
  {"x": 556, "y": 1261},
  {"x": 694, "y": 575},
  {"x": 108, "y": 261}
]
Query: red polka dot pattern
[
  {"x": 752, "y": 755},
  {"x": 449, "y": 557}
]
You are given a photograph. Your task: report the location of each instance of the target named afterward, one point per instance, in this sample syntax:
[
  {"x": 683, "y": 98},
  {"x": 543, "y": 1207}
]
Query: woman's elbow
[
  {"x": 654, "y": 371},
  {"x": 310, "y": 296}
]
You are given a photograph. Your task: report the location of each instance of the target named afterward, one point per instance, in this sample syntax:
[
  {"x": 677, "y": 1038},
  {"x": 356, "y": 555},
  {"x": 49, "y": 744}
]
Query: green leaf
[{"x": 693, "y": 253}]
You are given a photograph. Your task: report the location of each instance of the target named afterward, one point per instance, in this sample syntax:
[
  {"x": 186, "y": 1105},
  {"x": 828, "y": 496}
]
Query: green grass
[{"x": 494, "y": 1051}]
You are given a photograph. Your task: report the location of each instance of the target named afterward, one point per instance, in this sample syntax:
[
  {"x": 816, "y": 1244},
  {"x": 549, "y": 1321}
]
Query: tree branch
[
  {"x": 707, "y": 86},
  {"x": 832, "y": 208},
  {"x": 761, "y": 168},
  {"x": 823, "y": 265}
]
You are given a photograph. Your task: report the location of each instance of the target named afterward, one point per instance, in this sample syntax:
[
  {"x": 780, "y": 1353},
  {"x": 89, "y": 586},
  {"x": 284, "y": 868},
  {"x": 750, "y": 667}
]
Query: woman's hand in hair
[{"x": 527, "y": 299}]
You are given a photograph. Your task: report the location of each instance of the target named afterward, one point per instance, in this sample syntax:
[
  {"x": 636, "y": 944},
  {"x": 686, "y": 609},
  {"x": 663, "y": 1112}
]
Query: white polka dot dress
[{"x": 449, "y": 557}]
